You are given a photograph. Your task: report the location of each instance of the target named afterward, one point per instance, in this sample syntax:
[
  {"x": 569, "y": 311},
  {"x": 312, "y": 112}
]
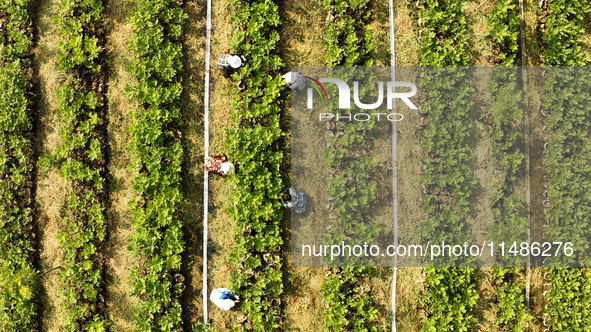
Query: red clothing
[{"x": 214, "y": 163}]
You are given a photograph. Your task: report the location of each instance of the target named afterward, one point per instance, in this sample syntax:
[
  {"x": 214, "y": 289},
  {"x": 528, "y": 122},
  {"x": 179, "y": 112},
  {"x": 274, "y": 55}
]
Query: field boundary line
[
  {"x": 205, "y": 155},
  {"x": 394, "y": 169},
  {"x": 527, "y": 155}
]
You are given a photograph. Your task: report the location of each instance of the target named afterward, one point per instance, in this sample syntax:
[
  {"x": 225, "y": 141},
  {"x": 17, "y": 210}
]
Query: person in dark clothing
[
  {"x": 229, "y": 63},
  {"x": 293, "y": 199},
  {"x": 295, "y": 81}
]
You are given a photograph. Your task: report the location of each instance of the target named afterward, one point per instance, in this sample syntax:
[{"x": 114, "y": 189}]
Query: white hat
[
  {"x": 234, "y": 61},
  {"x": 290, "y": 77},
  {"x": 227, "y": 167}
]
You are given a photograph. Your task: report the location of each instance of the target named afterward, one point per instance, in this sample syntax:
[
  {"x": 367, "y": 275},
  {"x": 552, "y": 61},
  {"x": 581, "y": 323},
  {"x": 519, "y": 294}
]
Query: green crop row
[
  {"x": 447, "y": 183},
  {"x": 504, "y": 31},
  {"x": 156, "y": 159},
  {"x": 82, "y": 163},
  {"x": 351, "y": 183},
  {"x": 569, "y": 160},
  {"x": 510, "y": 299},
  {"x": 348, "y": 40},
  {"x": 507, "y": 207},
  {"x": 351, "y": 308},
  {"x": 446, "y": 179},
  {"x": 449, "y": 299},
  {"x": 254, "y": 142},
  {"x": 563, "y": 35},
  {"x": 569, "y": 300},
  {"x": 18, "y": 279},
  {"x": 444, "y": 35}
]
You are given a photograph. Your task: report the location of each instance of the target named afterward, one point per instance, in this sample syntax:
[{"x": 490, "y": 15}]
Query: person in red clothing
[{"x": 219, "y": 165}]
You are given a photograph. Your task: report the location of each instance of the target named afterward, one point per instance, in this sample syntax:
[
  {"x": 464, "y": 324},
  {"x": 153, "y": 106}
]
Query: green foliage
[
  {"x": 507, "y": 208},
  {"x": 349, "y": 42},
  {"x": 156, "y": 160},
  {"x": 446, "y": 180},
  {"x": 18, "y": 279},
  {"x": 18, "y": 288},
  {"x": 450, "y": 298},
  {"x": 569, "y": 300},
  {"x": 16, "y": 32},
  {"x": 504, "y": 31},
  {"x": 350, "y": 306},
  {"x": 81, "y": 162},
  {"x": 253, "y": 142},
  {"x": 444, "y": 38},
  {"x": 347, "y": 38},
  {"x": 569, "y": 161},
  {"x": 79, "y": 49},
  {"x": 510, "y": 305},
  {"x": 563, "y": 35}
]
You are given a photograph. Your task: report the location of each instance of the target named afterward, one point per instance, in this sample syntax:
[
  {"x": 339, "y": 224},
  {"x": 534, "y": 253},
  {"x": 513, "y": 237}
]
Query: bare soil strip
[
  {"x": 221, "y": 236},
  {"x": 301, "y": 45},
  {"x": 51, "y": 189},
  {"x": 192, "y": 128},
  {"x": 410, "y": 281},
  {"x": 120, "y": 261}
]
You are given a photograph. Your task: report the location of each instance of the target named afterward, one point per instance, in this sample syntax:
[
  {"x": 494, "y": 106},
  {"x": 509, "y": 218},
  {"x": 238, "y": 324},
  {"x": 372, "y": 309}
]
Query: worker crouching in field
[
  {"x": 229, "y": 63},
  {"x": 219, "y": 165},
  {"x": 293, "y": 199},
  {"x": 224, "y": 298},
  {"x": 295, "y": 81}
]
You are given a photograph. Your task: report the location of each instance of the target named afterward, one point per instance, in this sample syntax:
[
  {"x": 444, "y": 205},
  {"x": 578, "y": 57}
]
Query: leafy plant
[
  {"x": 563, "y": 33},
  {"x": 568, "y": 299},
  {"x": 446, "y": 181},
  {"x": 504, "y": 31},
  {"x": 349, "y": 42},
  {"x": 444, "y": 37},
  {"x": 253, "y": 140},
  {"x": 18, "y": 279},
  {"x": 81, "y": 162},
  {"x": 156, "y": 160}
]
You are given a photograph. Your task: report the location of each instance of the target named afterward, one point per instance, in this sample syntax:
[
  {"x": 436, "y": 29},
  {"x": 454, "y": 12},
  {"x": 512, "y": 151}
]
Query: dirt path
[
  {"x": 120, "y": 262},
  {"x": 478, "y": 28},
  {"x": 51, "y": 189},
  {"x": 192, "y": 128},
  {"x": 221, "y": 235},
  {"x": 410, "y": 281},
  {"x": 301, "y": 45}
]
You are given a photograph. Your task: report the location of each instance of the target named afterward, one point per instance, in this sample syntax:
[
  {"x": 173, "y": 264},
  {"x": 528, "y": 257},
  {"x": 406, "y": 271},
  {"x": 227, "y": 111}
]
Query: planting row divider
[
  {"x": 205, "y": 155},
  {"x": 527, "y": 152},
  {"x": 394, "y": 169}
]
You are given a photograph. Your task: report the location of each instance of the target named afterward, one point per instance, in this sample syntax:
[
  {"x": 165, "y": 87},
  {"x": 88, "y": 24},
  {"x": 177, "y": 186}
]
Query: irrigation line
[
  {"x": 206, "y": 154},
  {"x": 394, "y": 170},
  {"x": 527, "y": 154}
]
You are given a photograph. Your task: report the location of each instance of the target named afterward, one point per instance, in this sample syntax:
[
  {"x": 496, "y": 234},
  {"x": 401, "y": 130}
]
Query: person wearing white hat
[
  {"x": 229, "y": 63},
  {"x": 224, "y": 298},
  {"x": 219, "y": 165},
  {"x": 295, "y": 81}
]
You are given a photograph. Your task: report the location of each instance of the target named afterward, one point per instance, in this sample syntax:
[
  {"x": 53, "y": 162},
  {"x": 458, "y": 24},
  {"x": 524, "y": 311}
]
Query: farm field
[{"x": 102, "y": 152}]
